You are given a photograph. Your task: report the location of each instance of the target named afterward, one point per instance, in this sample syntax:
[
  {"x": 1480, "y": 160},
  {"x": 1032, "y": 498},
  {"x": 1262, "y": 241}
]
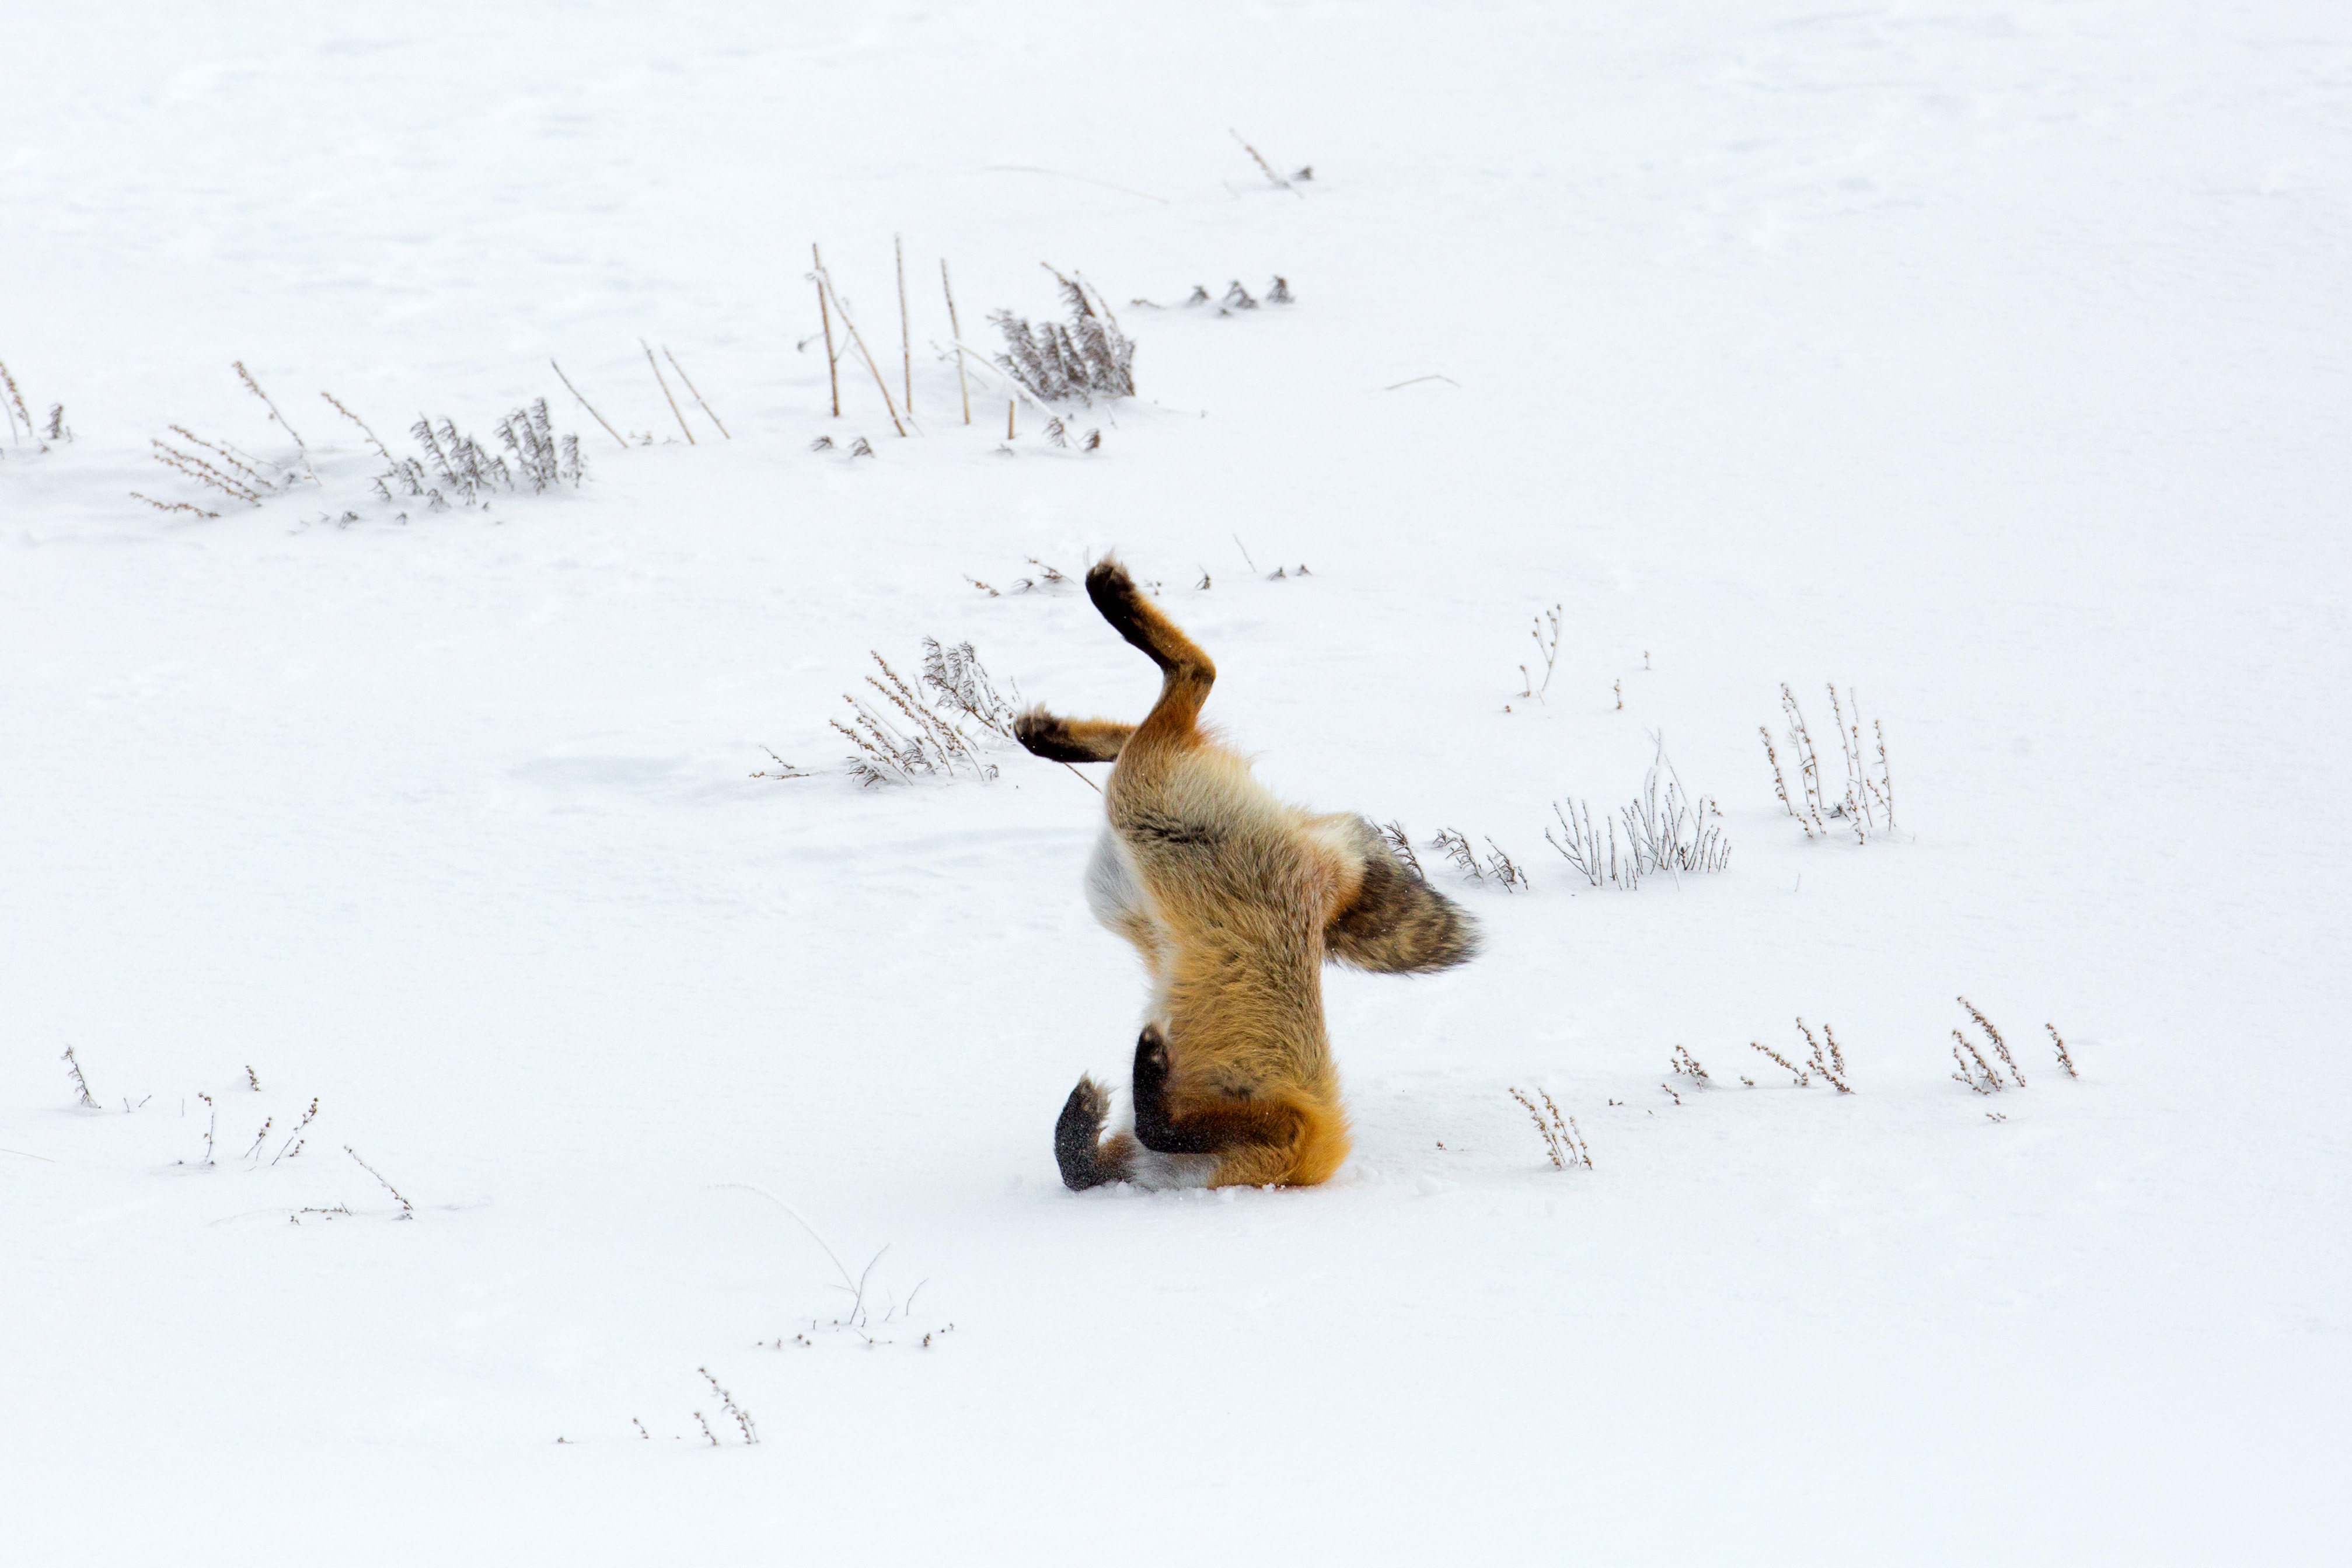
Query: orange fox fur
[{"x": 1234, "y": 901}]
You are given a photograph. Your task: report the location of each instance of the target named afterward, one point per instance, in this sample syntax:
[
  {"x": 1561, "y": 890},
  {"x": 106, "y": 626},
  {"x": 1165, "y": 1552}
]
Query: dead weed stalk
[
  {"x": 1561, "y": 1139},
  {"x": 1866, "y": 805}
]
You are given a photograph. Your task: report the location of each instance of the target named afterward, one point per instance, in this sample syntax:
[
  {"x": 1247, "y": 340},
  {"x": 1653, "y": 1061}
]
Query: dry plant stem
[
  {"x": 1012, "y": 387},
  {"x": 1547, "y": 649},
  {"x": 586, "y": 404},
  {"x": 81, "y": 1084},
  {"x": 1795, "y": 1071},
  {"x": 407, "y": 1209},
  {"x": 15, "y": 405},
  {"x": 857, "y": 339},
  {"x": 247, "y": 376},
  {"x": 173, "y": 505},
  {"x": 955, "y": 330},
  {"x": 1401, "y": 842},
  {"x": 664, "y": 384},
  {"x": 1780, "y": 784},
  {"x": 1832, "y": 1068},
  {"x": 905, "y": 329},
  {"x": 203, "y": 473},
  {"x": 380, "y": 450},
  {"x": 1562, "y": 1140},
  {"x": 742, "y": 1416},
  {"x": 2064, "y": 1060},
  {"x": 832, "y": 360},
  {"x": 1266, "y": 168},
  {"x": 706, "y": 1429},
  {"x": 1982, "y": 1078},
  {"x": 700, "y": 401},
  {"x": 2000, "y": 1046},
  {"x": 1010, "y": 404}
]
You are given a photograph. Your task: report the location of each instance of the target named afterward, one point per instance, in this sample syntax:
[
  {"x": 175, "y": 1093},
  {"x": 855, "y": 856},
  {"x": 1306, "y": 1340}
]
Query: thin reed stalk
[
  {"x": 955, "y": 329},
  {"x": 586, "y": 404},
  {"x": 905, "y": 329},
  {"x": 857, "y": 340},
  {"x": 255, "y": 387},
  {"x": 832, "y": 361},
  {"x": 700, "y": 401},
  {"x": 664, "y": 384}
]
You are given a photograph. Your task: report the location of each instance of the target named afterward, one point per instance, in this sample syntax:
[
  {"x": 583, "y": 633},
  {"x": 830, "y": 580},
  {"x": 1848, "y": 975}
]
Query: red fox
[{"x": 1234, "y": 901}]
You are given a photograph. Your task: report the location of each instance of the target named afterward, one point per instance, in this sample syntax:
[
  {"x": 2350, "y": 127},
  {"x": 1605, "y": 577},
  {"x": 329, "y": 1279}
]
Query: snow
[{"x": 1991, "y": 358}]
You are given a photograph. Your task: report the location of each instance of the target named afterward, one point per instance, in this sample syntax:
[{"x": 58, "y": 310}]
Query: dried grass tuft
[
  {"x": 1866, "y": 805},
  {"x": 1665, "y": 831},
  {"x": 1089, "y": 358},
  {"x": 463, "y": 471},
  {"x": 1562, "y": 1140},
  {"x": 915, "y": 734},
  {"x": 1496, "y": 866}
]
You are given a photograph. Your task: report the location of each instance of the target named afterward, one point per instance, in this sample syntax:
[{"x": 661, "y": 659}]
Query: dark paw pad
[
  {"x": 1077, "y": 1134},
  {"x": 1151, "y": 1057},
  {"x": 1112, "y": 591},
  {"x": 1049, "y": 737}
]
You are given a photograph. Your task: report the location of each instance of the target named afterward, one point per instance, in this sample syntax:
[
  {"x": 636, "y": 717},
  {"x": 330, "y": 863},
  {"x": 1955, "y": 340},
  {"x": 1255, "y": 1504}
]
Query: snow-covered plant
[
  {"x": 1088, "y": 358},
  {"x": 1866, "y": 805},
  {"x": 918, "y": 743},
  {"x": 1496, "y": 865},
  {"x": 958, "y": 680},
  {"x": 462, "y": 470},
  {"x": 1665, "y": 831},
  {"x": 1236, "y": 298},
  {"x": 542, "y": 458}
]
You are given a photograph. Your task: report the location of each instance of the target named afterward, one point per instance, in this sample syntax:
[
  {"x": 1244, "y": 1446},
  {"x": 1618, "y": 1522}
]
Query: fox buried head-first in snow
[{"x": 1235, "y": 901}]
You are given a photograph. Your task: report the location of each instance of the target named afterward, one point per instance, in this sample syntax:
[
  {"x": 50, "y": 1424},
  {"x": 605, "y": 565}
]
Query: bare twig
[
  {"x": 2064, "y": 1060},
  {"x": 586, "y": 404},
  {"x": 664, "y": 384},
  {"x": 255, "y": 386},
  {"x": 955, "y": 330},
  {"x": 1266, "y": 168},
  {"x": 859, "y": 340},
  {"x": 700, "y": 401},
  {"x": 380, "y": 450},
  {"x": 905, "y": 329},
  {"x": 81, "y": 1084},
  {"x": 407, "y": 1209},
  {"x": 2000, "y": 1046},
  {"x": 832, "y": 360}
]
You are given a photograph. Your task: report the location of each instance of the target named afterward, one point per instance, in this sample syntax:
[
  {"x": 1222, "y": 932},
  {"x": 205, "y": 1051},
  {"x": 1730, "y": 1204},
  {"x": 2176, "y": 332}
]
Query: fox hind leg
[
  {"x": 1227, "y": 1142},
  {"x": 1086, "y": 1158},
  {"x": 1058, "y": 739}
]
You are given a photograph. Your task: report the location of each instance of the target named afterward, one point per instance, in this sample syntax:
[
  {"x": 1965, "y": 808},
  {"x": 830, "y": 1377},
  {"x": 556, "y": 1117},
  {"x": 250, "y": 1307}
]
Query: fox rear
[{"x": 1234, "y": 901}]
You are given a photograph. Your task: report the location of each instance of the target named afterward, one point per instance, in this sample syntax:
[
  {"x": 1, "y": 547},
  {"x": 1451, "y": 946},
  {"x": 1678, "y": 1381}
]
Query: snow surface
[{"x": 1991, "y": 358}]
